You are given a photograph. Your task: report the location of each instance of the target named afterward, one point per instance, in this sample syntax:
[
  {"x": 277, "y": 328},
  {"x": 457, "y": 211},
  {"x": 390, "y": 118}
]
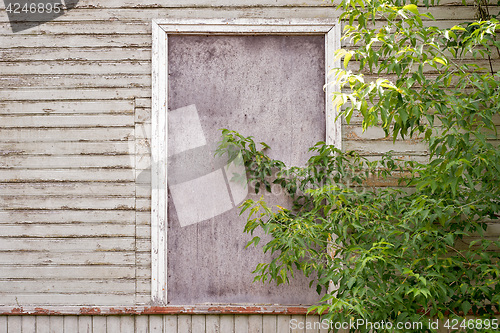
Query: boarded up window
[{"x": 268, "y": 86}]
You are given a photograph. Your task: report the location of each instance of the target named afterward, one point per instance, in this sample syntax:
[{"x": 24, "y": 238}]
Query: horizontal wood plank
[
  {"x": 67, "y": 245},
  {"x": 67, "y": 107},
  {"x": 98, "y": 27},
  {"x": 67, "y": 175},
  {"x": 67, "y": 148},
  {"x": 68, "y": 67},
  {"x": 117, "y": 287},
  {"x": 69, "y": 40},
  {"x": 64, "y": 162},
  {"x": 67, "y": 272},
  {"x": 77, "y": 216},
  {"x": 69, "y": 299},
  {"x": 375, "y": 148},
  {"x": 63, "y": 53},
  {"x": 76, "y": 80},
  {"x": 83, "y": 230},
  {"x": 67, "y": 189},
  {"x": 146, "y": 14},
  {"x": 30, "y": 94},
  {"x": 62, "y": 121},
  {"x": 69, "y": 258},
  {"x": 202, "y": 3},
  {"x": 35, "y": 134}
]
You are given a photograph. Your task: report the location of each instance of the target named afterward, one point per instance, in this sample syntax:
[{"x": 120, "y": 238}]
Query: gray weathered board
[{"x": 269, "y": 87}]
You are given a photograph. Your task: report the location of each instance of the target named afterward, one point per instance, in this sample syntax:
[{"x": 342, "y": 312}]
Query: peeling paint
[
  {"x": 90, "y": 311},
  {"x": 155, "y": 310}
]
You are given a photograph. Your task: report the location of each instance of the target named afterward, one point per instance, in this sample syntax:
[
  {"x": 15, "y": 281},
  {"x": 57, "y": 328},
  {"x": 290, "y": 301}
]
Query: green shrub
[{"x": 403, "y": 253}]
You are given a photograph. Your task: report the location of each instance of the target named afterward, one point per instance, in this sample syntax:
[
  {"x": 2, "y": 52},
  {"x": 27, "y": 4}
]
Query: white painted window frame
[{"x": 330, "y": 28}]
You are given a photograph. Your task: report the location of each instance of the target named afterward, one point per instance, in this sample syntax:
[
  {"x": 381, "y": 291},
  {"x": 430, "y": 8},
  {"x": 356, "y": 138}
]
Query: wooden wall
[
  {"x": 170, "y": 324},
  {"x": 74, "y": 148},
  {"x": 74, "y": 156},
  {"x": 159, "y": 324}
]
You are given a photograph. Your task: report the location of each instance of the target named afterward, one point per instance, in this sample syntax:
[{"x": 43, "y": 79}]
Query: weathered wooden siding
[
  {"x": 67, "y": 195},
  {"x": 74, "y": 161},
  {"x": 162, "y": 324},
  {"x": 255, "y": 323},
  {"x": 74, "y": 145}
]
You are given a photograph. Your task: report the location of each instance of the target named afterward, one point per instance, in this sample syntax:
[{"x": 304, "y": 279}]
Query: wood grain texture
[
  {"x": 28, "y": 94},
  {"x": 42, "y": 324},
  {"x": 269, "y": 324},
  {"x": 227, "y": 324},
  {"x": 184, "y": 323},
  {"x": 140, "y": 324},
  {"x": 145, "y": 324},
  {"x": 99, "y": 107},
  {"x": 84, "y": 324}
]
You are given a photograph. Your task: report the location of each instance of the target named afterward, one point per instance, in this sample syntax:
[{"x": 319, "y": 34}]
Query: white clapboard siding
[
  {"x": 67, "y": 203},
  {"x": 145, "y": 14},
  {"x": 63, "y": 258},
  {"x": 67, "y": 175},
  {"x": 109, "y": 120},
  {"x": 71, "y": 161},
  {"x": 142, "y": 115},
  {"x": 105, "y": 80},
  {"x": 90, "y": 216},
  {"x": 142, "y": 218},
  {"x": 71, "y": 245},
  {"x": 67, "y": 148},
  {"x": 69, "y": 272},
  {"x": 33, "y": 93},
  {"x": 208, "y": 3},
  {"x": 67, "y": 189},
  {"x": 93, "y": 286},
  {"x": 67, "y": 40},
  {"x": 96, "y": 67},
  {"x": 375, "y": 147},
  {"x": 103, "y": 27},
  {"x": 198, "y": 3},
  {"x": 67, "y": 299},
  {"x": 67, "y": 107},
  {"x": 66, "y": 134},
  {"x": 142, "y": 162},
  {"x": 355, "y": 132},
  {"x": 143, "y": 129},
  {"x": 75, "y": 53},
  {"x": 68, "y": 230}
]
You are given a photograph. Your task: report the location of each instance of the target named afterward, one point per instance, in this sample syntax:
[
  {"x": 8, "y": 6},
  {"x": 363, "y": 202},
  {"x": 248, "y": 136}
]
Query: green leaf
[
  {"x": 412, "y": 8},
  {"x": 442, "y": 61},
  {"x": 449, "y": 239},
  {"x": 466, "y": 306},
  {"x": 255, "y": 241},
  {"x": 347, "y": 57}
]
